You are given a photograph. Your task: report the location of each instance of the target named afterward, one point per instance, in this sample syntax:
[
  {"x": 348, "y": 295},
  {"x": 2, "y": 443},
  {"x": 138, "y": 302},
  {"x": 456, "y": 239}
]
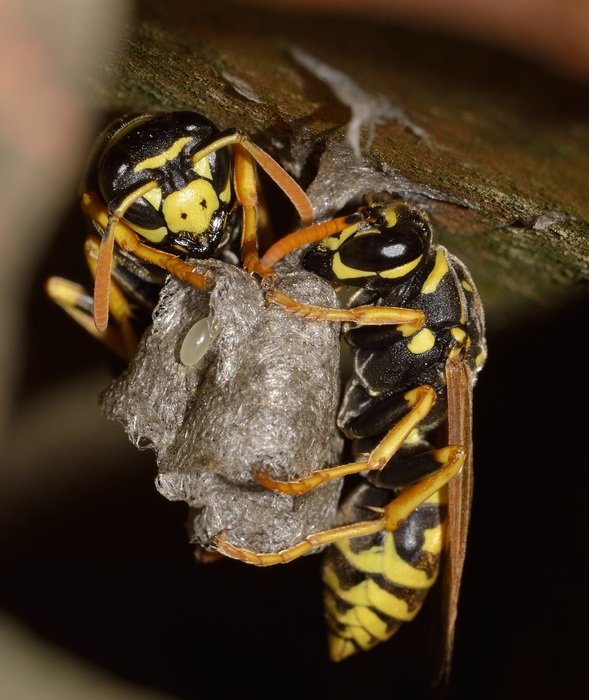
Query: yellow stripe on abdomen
[
  {"x": 371, "y": 591},
  {"x": 385, "y": 561}
]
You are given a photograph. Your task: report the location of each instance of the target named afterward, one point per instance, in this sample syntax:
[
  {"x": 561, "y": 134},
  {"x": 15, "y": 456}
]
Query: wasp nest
[{"x": 263, "y": 396}]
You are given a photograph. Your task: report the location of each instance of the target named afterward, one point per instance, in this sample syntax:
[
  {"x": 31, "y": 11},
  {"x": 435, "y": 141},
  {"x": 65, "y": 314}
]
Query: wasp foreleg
[{"x": 128, "y": 241}]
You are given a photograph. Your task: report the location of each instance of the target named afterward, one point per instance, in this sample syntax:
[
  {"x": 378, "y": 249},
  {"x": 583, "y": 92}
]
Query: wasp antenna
[
  {"x": 102, "y": 278},
  {"x": 297, "y": 239},
  {"x": 287, "y": 184},
  {"x": 105, "y": 255}
]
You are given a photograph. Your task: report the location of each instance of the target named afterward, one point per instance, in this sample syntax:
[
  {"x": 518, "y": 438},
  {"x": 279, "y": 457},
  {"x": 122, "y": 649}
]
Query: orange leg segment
[
  {"x": 392, "y": 517},
  {"x": 419, "y": 401},
  {"x": 411, "y": 319},
  {"x": 246, "y": 191},
  {"x": 286, "y": 183},
  {"x": 105, "y": 256}
]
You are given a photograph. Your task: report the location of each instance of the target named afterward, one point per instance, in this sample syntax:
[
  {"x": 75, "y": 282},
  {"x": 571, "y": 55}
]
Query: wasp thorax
[{"x": 389, "y": 243}]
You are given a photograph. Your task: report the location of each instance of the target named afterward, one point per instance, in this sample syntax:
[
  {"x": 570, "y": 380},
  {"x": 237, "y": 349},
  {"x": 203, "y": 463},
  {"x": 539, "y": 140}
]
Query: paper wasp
[
  {"x": 417, "y": 347},
  {"x": 163, "y": 187},
  {"x": 407, "y": 413}
]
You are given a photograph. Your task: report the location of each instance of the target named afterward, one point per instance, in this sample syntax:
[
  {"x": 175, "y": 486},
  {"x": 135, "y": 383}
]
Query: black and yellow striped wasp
[
  {"x": 161, "y": 189},
  {"x": 406, "y": 412},
  {"x": 164, "y": 195}
]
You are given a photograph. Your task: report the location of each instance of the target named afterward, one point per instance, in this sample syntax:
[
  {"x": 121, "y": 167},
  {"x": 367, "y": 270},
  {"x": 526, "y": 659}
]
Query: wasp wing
[{"x": 459, "y": 383}]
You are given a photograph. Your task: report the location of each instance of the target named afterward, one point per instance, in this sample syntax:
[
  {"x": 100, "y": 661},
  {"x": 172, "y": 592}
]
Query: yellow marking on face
[
  {"x": 225, "y": 195},
  {"x": 191, "y": 208},
  {"x": 436, "y": 275},
  {"x": 202, "y": 167},
  {"x": 467, "y": 286},
  {"x": 480, "y": 358},
  {"x": 154, "y": 197},
  {"x": 385, "y": 560},
  {"x": 155, "y": 235},
  {"x": 162, "y": 158},
  {"x": 423, "y": 341}
]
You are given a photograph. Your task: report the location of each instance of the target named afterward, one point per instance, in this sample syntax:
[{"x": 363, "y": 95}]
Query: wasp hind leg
[{"x": 389, "y": 519}]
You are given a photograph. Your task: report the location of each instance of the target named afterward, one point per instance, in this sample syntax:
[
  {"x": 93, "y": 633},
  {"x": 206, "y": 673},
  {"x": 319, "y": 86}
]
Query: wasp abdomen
[{"x": 374, "y": 584}]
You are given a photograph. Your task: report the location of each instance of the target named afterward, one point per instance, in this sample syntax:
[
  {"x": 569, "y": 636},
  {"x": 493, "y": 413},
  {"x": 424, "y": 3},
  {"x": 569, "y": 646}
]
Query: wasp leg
[
  {"x": 392, "y": 517},
  {"x": 204, "y": 556},
  {"x": 119, "y": 306},
  {"x": 104, "y": 262},
  {"x": 312, "y": 234},
  {"x": 75, "y": 300},
  {"x": 411, "y": 320},
  {"x": 419, "y": 402},
  {"x": 246, "y": 191},
  {"x": 246, "y": 155},
  {"x": 287, "y": 184}
]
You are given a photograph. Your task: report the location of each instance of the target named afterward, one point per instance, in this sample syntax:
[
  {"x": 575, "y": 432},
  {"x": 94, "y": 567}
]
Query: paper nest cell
[{"x": 263, "y": 397}]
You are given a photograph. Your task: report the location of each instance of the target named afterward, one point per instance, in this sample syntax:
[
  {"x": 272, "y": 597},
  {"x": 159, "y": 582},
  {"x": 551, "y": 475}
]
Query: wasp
[
  {"x": 161, "y": 193},
  {"x": 162, "y": 189},
  {"x": 407, "y": 414}
]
